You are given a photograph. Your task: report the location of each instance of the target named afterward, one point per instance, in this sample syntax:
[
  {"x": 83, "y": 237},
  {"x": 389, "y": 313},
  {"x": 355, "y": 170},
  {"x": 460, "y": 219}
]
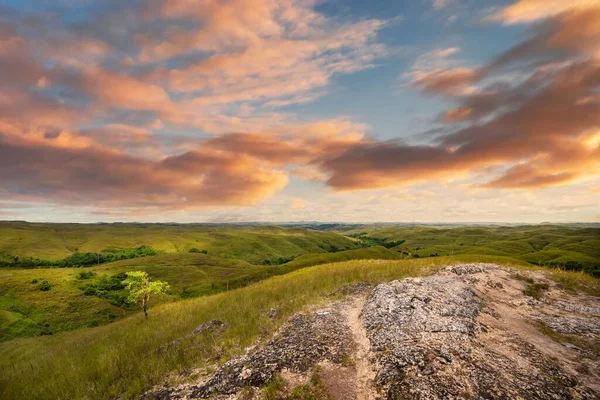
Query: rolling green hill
[
  {"x": 122, "y": 359},
  {"x": 254, "y": 244},
  {"x": 236, "y": 257},
  {"x": 25, "y": 310},
  {"x": 549, "y": 245}
]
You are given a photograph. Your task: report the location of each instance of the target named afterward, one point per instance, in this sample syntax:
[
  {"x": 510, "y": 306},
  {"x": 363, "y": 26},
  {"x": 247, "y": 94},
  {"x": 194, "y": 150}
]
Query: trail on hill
[
  {"x": 471, "y": 331},
  {"x": 365, "y": 372}
]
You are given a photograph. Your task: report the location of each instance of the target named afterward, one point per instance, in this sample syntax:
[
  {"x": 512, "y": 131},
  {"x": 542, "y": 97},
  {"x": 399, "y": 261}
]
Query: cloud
[
  {"x": 298, "y": 204},
  {"x": 446, "y": 81},
  {"x": 540, "y": 129},
  {"x": 532, "y": 10},
  {"x": 116, "y": 112},
  {"x": 102, "y": 179},
  {"x": 440, "y": 4},
  {"x": 176, "y": 104},
  {"x": 309, "y": 173}
]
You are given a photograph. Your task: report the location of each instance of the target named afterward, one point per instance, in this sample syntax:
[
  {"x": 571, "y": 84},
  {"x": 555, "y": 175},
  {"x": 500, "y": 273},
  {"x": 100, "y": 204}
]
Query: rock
[
  {"x": 305, "y": 340},
  {"x": 467, "y": 332},
  {"x": 272, "y": 313},
  {"x": 211, "y": 326},
  {"x": 495, "y": 284},
  {"x": 468, "y": 269},
  {"x": 572, "y": 325},
  {"x": 414, "y": 324},
  {"x": 351, "y": 289},
  {"x": 571, "y": 346}
]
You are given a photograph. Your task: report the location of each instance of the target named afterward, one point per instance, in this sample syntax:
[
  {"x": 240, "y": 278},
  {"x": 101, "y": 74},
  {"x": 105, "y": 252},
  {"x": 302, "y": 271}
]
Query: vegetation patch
[
  {"x": 44, "y": 286},
  {"x": 580, "y": 341},
  {"x": 536, "y": 290},
  {"x": 110, "y": 287},
  {"x": 570, "y": 248},
  {"x": 122, "y": 359},
  {"x": 576, "y": 280},
  {"x": 78, "y": 259},
  {"x": 313, "y": 390},
  {"x": 523, "y": 278},
  {"x": 369, "y": 241}
]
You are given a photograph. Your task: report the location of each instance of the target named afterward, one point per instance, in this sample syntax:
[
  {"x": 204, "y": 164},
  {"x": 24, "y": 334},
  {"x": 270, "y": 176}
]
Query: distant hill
[{"x": 255, "y": 244}]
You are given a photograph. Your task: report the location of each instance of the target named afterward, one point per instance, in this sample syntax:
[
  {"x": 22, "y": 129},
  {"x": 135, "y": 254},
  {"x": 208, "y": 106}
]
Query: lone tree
[{"x": 139, "y": 285}]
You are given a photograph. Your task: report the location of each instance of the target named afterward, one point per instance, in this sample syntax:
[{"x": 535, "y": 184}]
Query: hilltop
[{"x": 244, "y": 294}]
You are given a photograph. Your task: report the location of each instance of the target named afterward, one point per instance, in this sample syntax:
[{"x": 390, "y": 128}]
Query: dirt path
[{"x": 365, "y": 373}]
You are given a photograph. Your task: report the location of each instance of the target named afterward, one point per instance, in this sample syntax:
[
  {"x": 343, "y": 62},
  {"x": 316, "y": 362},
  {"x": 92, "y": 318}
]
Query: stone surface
[
  {"x": 432, "y": 340},
  {"x": 467, "y": 332},
  {"x": 305, "y": 340}
]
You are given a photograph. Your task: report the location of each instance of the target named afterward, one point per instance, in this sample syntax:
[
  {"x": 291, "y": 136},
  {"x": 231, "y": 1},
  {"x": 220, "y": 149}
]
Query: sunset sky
[{"x": 300, "y": 110}]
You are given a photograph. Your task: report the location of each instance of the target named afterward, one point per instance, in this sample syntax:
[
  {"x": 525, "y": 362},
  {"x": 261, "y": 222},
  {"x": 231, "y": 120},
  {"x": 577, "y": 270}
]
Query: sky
[{"x": 300, "y": 110}]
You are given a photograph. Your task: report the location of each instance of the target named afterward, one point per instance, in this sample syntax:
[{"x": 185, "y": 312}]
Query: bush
[
  {"x": 90, "y": 290},
  {"x": 44, "y": 285},
  {"x": 195, "y": 250},
  {"x": 106, "y": 287},
  {"x": 34, "y": 281},
  {"x": 85, "y": 275},
  {"x": 116, "y": 299}
]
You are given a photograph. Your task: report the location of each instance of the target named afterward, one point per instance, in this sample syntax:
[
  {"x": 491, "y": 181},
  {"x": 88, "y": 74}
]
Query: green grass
[
  {"x": 546, "y": 245},
  {"x": 121, "y": 359},
  {"x": 62, "y": 344},
  {"x": 576, "y": 281},
  {"x": 253, "y": 244},
  {"x": 66, "y": 307},
  {"x": 124, "y": 358},
  {"x": 536, "y": 290},
  {"x": 583, "y": 342}
]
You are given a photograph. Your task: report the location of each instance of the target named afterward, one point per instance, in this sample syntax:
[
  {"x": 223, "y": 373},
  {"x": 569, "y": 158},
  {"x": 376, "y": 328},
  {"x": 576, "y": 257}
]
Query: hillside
[
  {"x": 127, "y": 357},
  {"x": 27, "y": 311},
  {"x": 79, "y": 338},
  {"x": 551, "y": 245},
  {"x": 256, "y": 245}
]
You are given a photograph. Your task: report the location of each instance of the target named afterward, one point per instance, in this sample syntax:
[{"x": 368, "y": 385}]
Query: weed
[
  {"x": 521, "y": 277},
  {"x": 536, "y": 290},
  {"x": 275, "y": 390}
]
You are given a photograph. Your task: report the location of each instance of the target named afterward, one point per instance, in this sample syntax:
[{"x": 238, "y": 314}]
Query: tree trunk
[
  {"x": 145, "y": 305},
  {"x": 145, "y": 299}
]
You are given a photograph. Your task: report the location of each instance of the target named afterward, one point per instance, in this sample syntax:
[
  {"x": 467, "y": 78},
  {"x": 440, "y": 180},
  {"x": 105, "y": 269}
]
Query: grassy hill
[
  {"x": 25, "y": 310},
  {"x": 256, "y": 245},
  {"x": 550, "y": 245},
  {"x": 236, "y": 257},
  {"x": 127, "y": 357}
]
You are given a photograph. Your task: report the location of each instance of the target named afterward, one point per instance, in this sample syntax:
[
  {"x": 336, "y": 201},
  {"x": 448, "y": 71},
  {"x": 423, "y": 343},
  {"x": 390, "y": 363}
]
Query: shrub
[
  {"x": 195, "y": 250},
  {"x": 85, "y": 275},
  {"x": 536, "y": 290},
  {"x": 44, "y": 285},
  {"x": 34, "y": 281},
  {"x": 116, "y": 299},
  {"x": 90, "y": 290}
]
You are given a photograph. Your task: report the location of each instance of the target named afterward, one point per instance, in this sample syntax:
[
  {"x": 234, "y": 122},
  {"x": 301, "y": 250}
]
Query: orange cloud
[
  {"x": 457, "y": 114},
  {"x": 537, "y": 128},
  {"x": 122, "y": 91},
  {"x": 531, "y": 10},
  {"x": 451, "y": 81},
  {"x": 98, "y": 178}
]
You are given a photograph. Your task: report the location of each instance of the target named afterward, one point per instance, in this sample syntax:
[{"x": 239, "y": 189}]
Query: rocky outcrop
[
  {"x": 431, "y": 341},
  {"x": 305, "y": 340},
  {"x": 470, "y": 331}
]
